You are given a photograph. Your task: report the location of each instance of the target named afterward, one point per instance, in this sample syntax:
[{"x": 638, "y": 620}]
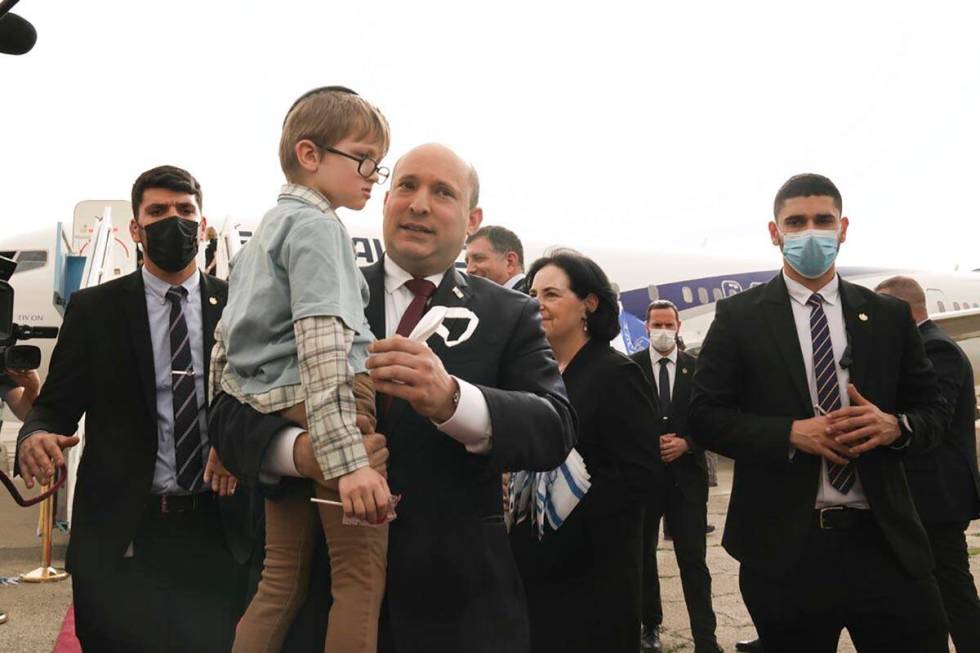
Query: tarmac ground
[{"x": 35, "y": 611}]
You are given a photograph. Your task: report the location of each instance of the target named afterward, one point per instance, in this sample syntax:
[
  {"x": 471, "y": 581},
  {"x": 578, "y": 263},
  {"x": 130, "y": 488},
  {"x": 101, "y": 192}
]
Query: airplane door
[
  {"x": 729, "y": 288},
  {"x": 122, "y": 251}
]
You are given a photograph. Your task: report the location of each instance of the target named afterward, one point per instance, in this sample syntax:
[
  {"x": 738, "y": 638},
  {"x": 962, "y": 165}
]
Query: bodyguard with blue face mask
[{"x": 817, "y": 388}]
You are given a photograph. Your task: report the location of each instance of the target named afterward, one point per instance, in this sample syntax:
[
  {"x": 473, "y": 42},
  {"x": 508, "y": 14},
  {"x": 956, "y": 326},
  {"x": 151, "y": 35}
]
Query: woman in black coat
[{"x": 583, "y": 579}]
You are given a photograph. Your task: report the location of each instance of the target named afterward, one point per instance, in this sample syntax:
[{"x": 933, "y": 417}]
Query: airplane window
[
  {"x": 956, "y": 306},
  {"x": 941, "y": 305},
  {"x": 8, "y": 254},
  {"x": 703, "y": 295},
  {"x": 717, "y": 294},
  {"x": 31, "y": 260},
  {"x": 687, "y": 294}
]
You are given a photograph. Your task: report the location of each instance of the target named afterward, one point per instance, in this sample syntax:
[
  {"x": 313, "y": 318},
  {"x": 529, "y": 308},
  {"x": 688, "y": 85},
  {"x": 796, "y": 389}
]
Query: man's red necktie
[{"x": 422, "y": 289}]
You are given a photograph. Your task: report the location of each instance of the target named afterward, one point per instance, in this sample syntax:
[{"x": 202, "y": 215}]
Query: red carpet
[{"x": 67, "y": 642}]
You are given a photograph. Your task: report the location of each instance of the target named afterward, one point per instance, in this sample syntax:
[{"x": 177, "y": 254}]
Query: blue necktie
[
  {"x": 828, "y": 389},
  {"x": 187, "y": 429}
]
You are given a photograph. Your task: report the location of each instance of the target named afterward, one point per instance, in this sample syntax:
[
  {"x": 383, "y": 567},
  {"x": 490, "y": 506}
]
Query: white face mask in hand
[{"x": 663, "y": 340}]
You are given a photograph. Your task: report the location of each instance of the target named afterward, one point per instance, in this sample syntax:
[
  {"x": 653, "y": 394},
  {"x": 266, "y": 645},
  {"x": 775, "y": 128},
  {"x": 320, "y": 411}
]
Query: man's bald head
[
  {"x": 908, "y": 290},
  {"x": 472, "y": 179},
  {"x": 431, "y": 207}
]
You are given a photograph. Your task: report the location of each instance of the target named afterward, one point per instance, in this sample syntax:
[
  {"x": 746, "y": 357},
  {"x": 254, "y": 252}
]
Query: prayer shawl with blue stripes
[{"x": 555, "y": 493}]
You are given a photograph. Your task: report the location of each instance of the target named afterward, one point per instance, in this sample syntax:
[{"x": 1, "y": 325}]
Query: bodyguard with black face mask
[{"x": 155, "y": 533}]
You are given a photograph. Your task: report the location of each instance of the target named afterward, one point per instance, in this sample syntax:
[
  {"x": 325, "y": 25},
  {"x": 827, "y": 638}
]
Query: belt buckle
[
  {"x": 167, "y": 509},
  {"x": 825, "y": 510}
]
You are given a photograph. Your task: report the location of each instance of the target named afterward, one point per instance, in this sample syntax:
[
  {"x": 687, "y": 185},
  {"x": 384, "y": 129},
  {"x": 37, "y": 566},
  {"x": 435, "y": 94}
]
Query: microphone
[
  {"x": 17, "y": 36},
  {"x": 40, "y": 332}
]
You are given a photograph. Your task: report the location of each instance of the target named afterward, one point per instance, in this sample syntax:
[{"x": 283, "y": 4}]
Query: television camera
[{"x": 12, "y": 355}]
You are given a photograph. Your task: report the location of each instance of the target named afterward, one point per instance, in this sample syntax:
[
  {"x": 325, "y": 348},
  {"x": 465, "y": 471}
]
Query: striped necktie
[
  {"x": 187, "y": 428},
  {"x": 828, "y": 388}
]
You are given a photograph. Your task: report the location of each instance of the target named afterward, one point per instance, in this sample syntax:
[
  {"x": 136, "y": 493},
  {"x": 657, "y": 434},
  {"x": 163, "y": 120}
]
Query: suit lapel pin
[
  {"x": 213, "y": 301},
  {"x": 863, "y": 317},
  {"x": 683, "y": 370},
  {"x": 457, "y": 292}
]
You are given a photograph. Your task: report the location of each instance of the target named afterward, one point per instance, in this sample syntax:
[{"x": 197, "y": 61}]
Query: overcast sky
[{"x": 642, "y": 124}]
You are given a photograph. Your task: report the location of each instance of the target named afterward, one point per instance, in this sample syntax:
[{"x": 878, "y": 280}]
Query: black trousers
[
  {"x": 688, "y": 521},
  {"x": 181, "y": 590},
  {"x": 956, "y": 584},
  {"x": 845, "y": 579}
]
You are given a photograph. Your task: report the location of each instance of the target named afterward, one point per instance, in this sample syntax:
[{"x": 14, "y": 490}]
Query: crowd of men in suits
[{"x": 821, "y": 391}]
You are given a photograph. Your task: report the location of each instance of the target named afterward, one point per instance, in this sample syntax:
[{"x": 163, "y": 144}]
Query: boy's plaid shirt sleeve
[{"x": 322, "y": 346}]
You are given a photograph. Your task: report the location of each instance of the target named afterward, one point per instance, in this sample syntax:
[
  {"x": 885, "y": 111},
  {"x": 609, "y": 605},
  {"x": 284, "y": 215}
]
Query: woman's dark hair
[{"x": 586, "y": 278}]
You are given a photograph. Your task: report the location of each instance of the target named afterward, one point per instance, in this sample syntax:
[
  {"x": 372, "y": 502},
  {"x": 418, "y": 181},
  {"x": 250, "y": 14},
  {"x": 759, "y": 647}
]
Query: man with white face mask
[
  {"x": 683, "y": 500},
  {"x": 816, "y": 387}
]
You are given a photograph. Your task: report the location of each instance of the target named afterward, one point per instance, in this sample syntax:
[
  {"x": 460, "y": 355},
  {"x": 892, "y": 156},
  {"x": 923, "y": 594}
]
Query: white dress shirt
[
  {"x": 655, "y": 357},
  {"x": 827, "y": 494},
  {"x": 470, "y": 425}
]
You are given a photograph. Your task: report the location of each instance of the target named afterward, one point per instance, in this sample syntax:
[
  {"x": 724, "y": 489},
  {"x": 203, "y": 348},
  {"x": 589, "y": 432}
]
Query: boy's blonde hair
[{"x": 327, "y": 116}]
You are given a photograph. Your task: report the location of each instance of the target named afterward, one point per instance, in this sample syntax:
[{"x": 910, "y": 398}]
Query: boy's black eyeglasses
[{"x": 366, "y": 166}]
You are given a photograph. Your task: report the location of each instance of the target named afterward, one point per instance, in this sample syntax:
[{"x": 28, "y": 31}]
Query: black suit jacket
[
  {"x": 750, "y": 385},
  {"x": 452, "y": 582},
  {"x": 945, "y": 482},
  {"x": 617, "y": 423},
  {"x": 102, "y": 367},
  {"x": 690, "y": 471},
  {"x": 524, "y": 286}
]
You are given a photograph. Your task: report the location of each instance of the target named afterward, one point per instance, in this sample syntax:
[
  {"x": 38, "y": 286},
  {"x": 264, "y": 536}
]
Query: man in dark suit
[
  {"x": 148, "y": 550},
  {"x": 683, "y": 499},
  {"x": 496, "y": 253},
  {"x": 945, "y": 482},
  {"x": 816, "y": 387},
  {"x": 484, "y": 396}
]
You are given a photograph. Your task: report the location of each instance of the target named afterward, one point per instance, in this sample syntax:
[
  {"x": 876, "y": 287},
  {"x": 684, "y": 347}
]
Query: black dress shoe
[
  {"x": 650, "y": 640},
  {"x": 750, "y": 645},
  {"x": 710, "y": 648}
]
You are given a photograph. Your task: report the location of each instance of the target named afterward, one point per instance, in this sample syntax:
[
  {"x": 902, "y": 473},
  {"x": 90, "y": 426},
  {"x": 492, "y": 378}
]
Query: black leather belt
[
  {"x": 841, "y": 518},
  {"x": 165, "y": 504}
]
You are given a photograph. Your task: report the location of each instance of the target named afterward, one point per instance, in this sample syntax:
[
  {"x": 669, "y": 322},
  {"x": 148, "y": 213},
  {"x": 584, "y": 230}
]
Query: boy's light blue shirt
[{"x": 299, "y": 263}]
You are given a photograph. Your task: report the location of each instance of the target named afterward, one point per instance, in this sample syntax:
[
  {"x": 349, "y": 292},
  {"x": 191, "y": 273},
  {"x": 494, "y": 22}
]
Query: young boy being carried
[{"x": 293, "y": 340}]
